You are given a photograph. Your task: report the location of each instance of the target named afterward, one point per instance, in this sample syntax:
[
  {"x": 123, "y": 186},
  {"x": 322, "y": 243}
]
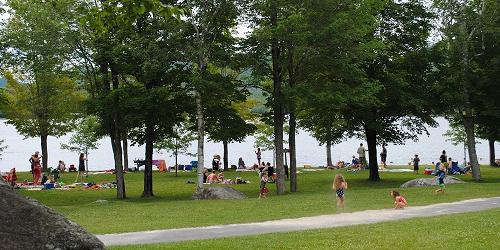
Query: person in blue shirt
[{"x": 440, "y": 175}]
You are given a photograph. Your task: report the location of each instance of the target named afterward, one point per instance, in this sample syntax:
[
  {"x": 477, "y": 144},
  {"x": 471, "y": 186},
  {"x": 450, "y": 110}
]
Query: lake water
[{"x": 308, "y": 151}]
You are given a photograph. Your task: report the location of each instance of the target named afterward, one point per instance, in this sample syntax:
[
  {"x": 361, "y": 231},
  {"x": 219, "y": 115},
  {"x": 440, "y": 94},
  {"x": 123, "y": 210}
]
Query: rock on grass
[
  {"x": 422, "y": 182},
  {"x": 218, "y": 193},
  {"x": 28, "y": 224}
]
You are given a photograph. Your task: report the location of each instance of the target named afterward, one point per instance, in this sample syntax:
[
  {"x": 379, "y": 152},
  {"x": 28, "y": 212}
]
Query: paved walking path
[{"x": 298, "y": 224}]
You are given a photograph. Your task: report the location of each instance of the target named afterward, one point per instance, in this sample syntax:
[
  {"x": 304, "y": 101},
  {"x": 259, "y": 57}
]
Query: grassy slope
[
  {"x": 172, "y": 207},
  {"x": 463, "y": 231}
]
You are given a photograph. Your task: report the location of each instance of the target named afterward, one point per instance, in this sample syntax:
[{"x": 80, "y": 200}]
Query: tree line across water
[{"x": 161, "y": 73}]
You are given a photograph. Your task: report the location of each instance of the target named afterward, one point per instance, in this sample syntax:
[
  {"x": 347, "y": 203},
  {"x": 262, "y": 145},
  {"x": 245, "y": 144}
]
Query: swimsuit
[{"x": 340, "y": 192}]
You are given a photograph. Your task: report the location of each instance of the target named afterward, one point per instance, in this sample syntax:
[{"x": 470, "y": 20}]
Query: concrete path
[{"x": 298, "y": 224}]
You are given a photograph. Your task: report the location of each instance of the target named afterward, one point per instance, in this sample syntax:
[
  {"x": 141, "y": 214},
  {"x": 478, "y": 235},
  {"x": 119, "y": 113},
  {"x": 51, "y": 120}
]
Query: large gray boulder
[
  {"x": 27, "y": 224},
  {"x": 421, "y": 182},
  {"x": 218, "y": 193}
]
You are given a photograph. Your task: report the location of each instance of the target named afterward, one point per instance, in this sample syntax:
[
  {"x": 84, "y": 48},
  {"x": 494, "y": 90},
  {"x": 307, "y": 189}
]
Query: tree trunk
[
  {"x": 201, "y": 140},
  {"x": 468, "y": 115},
  {"x": 115, "y": 134},
  {"x": 226, "y": 153},
  {"x": 292, "y": 121},
  {"x": 277, "y": 108},
  {"x": 45, "y": 153},
  {"x": 293, "y": 152},
  {"x": 371, "y": 138},
  {"x": 471, "y": 145},
  {"x": 492, "y": 152},
  {"x": 329, "y": 153},
  {"x": 86, "y": 162},
  {"x": 125, "y": 152},
  {"x": 176, "y": 162},
  {"x": 117, "y": 154},
  {"x": 148, "y": 168}
]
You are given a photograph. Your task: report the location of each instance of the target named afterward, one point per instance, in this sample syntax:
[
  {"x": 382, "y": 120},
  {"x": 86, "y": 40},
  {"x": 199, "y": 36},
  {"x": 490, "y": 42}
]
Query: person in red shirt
[{"x": 399, "y": 201}]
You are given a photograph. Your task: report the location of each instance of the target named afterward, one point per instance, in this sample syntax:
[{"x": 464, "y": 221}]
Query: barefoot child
[
  {"x": 440, "y": 175},
  {"x": 339, "y": 184},
  {"x": 399, "y": 200},
  {"x": 263, "y": 182}
]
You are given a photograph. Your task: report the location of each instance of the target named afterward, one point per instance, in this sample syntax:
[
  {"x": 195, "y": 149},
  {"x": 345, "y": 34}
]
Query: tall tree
[
  {"x": 465, "y": 25},
  {"x": 210, "y": 42},
  {"x": 42, "y": 90},
  {"x": 267, "y": 49},
  {"x": 120, "y": 32},
  {"x": 372, "y": 74}
]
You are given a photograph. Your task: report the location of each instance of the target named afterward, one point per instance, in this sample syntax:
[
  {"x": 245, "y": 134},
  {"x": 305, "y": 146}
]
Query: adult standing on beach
[
  {"x": 36, "y": 168},
  {"x": 361, "y": 154},
  {"x": 259, "y": 155},
  {"x": 81, "y": 165},
  {"x": 383, "y": 155},
  {"x": 443, "y": 158},
  {"x": 35, "y": 158}
]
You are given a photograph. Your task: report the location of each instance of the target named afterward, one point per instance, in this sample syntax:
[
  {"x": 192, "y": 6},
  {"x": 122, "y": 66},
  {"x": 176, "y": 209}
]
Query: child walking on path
[
  {"x": 339, "y": 185},
  {"x": 440, "y": 175},
  {"x": 263, "y": 182},
  {"x": 399, "y": 200}
]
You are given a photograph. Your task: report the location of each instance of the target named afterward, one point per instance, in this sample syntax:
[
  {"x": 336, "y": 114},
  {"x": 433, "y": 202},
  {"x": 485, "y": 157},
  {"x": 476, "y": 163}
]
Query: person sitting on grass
[
  {"x": 220, "y": 176},
  {"x": 263, "y": 182},
  {"x": 212, "y": 177},
  {"x": 12, "y": 177},
  {"x": 340, "y": 164},
  {"x": 339, "y": 185},
  {"x": 440, "y": 175},
  {"x": 399, "y": 200}
]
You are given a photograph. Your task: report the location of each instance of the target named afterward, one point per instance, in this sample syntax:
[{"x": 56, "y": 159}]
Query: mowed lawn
[
  {"x": 172, "y": 206},
  {"x": 479, "y": 230}
]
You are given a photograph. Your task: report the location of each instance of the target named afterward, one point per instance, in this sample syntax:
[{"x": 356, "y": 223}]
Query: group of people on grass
[{"x": 36, "y": 168}]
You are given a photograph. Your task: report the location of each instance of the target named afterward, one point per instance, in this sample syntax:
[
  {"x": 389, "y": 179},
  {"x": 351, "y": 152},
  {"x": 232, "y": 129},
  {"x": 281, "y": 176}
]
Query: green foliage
[
  {"x": 264, "y": 136},
  {"x": 456, "y": 134},
  {"x": 2, "y": 147},
  {"x": 179, "y": 142},
  {"x": 86, "y": 135},
  {"x": 45, "y": 105}
]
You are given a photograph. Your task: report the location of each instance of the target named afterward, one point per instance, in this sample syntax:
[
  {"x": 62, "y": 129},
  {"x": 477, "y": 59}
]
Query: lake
[{"x": 308, "y": 150}]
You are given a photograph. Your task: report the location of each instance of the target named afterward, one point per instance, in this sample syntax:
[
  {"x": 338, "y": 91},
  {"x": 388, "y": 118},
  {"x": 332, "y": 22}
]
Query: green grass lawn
[
  {"x": 173, "y": 208},
  {"x": 478, "y": 230}
]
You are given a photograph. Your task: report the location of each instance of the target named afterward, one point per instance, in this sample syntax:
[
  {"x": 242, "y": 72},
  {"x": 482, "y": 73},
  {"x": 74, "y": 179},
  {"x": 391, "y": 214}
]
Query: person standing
[
  {"x": 361, "y": 154},
  {"x": 416, "y": 162},
  {"x": 443, "y": 158},
  {"x": 339, "y": 185},
  {"x": 216, "y": 163},
  {"x": 441, "y": 174},
  {"x": 35, "y": 158},
  {"x": 383, "y": 156},
  {"x": 81, "y": 166},
  {"x": 36, "y": 168},
  {"x": 263, "y": 183},
  {"x": 259, "y": 155}
]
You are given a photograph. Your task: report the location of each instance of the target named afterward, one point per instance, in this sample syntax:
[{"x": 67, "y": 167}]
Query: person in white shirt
[{"x": 361, "y": 154}]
